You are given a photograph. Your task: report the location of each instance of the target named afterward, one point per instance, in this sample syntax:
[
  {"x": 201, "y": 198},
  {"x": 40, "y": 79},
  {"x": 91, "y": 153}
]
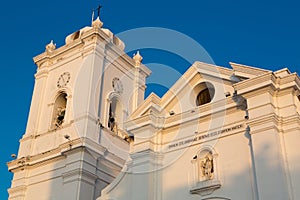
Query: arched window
[
  {"x": 203, "y": 97},
  {"x": 115, "y": 114},
  {"x": 205, "y": 92},
  {"x": 59, "y": 111}
]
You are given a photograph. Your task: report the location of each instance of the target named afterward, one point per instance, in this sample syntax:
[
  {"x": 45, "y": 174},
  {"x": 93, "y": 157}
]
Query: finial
[
  {"x": 50, "y": 47},
  {"x": 137, "y": 58},
  {"x": 97, "y": 22}
]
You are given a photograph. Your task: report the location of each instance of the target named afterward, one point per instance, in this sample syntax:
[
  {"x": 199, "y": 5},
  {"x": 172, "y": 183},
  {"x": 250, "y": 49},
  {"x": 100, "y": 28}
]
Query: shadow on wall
[{"x": 267, "y": 180}]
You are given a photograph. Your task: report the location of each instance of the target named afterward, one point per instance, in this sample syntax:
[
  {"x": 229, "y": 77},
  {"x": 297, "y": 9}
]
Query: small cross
[
  {"x": 98, "y": 9},
  {"x": 93, "y": 13}
]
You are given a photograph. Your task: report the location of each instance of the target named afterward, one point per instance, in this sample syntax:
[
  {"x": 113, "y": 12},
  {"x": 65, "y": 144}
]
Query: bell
[{"x": 60, "y": 117}]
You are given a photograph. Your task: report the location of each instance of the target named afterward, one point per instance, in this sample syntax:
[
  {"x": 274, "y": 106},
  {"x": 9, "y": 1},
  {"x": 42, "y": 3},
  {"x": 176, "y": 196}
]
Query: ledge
[{"x": 205, "y": 187}]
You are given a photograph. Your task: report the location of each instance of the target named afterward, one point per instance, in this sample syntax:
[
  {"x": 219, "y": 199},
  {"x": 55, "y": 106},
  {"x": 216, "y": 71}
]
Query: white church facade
[{"x": 217, "y": 134}]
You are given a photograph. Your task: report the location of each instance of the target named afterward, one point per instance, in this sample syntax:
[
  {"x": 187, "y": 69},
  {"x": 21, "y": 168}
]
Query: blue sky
[{"x": 258, "y": 33}]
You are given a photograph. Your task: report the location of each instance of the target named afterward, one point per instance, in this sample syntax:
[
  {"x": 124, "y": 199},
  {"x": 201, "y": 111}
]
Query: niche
[
  {"x": 59, "y": 111},
  {"x": 115, "y": 114}
]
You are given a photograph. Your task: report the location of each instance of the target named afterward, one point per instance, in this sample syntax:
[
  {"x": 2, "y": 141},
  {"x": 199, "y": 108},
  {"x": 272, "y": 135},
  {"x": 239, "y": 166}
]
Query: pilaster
[{"x": 266, "y": 107}]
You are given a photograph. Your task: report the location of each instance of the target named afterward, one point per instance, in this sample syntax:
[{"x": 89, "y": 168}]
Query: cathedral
[{"x": 217, "y": 134}]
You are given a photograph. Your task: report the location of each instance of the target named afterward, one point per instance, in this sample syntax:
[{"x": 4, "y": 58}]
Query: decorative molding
[
  {"x": 205, "y": 187},
  {"x": 247, "y": 71},
  {"x": 200, "y": 112},
  {"x": 17, "y": 192},
  {"x": 78, "y": 175}
]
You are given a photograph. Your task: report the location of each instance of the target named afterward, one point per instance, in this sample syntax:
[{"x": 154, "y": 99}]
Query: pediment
[{"x": 182, "y": 95}]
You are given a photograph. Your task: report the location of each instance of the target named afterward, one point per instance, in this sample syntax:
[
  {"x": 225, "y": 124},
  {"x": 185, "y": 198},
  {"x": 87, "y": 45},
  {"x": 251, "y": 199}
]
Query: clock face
[
  {"x": 63, "y": 80},
  {"x": 117, "y": 85}
]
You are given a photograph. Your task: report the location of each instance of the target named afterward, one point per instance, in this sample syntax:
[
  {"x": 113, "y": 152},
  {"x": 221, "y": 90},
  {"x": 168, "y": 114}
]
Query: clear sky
[{"x": 264, "y": 34}]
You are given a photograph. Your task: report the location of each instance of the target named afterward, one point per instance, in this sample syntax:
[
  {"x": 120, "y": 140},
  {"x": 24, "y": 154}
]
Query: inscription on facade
[{"x": 203, "y": 136}]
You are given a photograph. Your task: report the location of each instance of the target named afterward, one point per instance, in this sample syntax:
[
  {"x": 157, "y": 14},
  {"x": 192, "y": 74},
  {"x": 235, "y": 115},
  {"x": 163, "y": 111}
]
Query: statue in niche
[
  {"x": 207, "y": 167},
  {"x": 112, "y": 122},
  {"x": 60, "y": 116}
]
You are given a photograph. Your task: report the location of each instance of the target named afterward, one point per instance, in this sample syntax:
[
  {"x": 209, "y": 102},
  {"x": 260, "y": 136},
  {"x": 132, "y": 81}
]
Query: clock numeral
[{"x": 63, "y": 80}]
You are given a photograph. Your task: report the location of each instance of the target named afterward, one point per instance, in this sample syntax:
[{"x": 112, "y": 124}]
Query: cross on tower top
[
  {"x": 97, "y": 22},
  {"x": 98, "y": 12},
  {"x": 98, "y": 9}
]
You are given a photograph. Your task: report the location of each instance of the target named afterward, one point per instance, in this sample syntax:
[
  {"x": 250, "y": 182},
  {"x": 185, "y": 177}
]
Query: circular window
[{"x": 205, "y": 94}]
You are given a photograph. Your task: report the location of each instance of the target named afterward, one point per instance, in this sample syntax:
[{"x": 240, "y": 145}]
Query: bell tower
[{"x": 75, "y": 142}]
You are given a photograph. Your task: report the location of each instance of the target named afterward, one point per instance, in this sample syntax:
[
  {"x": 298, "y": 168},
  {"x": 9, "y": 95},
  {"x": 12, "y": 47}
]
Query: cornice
[
  {"x": 57, "y": 54},
  {"x": 144, "y": 157},
  {"x": 267, "y": 82},
  {"x": 282, "y": 72},
  {"x": 42, "y": 73},
  {"x": 204, "y": 112},
  {"x": 285, "y": 91},
  {"x": 18, "y": 189},
  {"x": 291, "y": 80},
  {"x": 264, "y": 119},
  {"x": 67, "y": 176},
  {"x": 58, "y": 153},
  {"x": 82, "y": 41},
  {"x": 146, "y": 104},
  {"x": 203, "y": 69},
  {"x": 177, "y": 87},
  {"x": 97, "y": 150},
  {"x": 247, "y": 71},
  {"x": 256, "y": 80},
  {"x": 213, "y": 70},
  {"x": 149, "y": 120},
  {"x": 256, "y": 83},
  {"x": 283, "y": 125}
]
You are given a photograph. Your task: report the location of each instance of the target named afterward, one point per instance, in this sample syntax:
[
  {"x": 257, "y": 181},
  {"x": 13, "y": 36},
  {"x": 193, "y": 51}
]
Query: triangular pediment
[{"x": 182, "y": 95}]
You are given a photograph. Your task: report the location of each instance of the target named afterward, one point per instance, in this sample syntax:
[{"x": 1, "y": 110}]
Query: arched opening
[
  {"x": 205, "y": 93},
  {"x": 115, "y": 114},
  {"x": 205, "y": 172},
  {"x": 59, "y": 111},
  {"x": 76, "y": 35},
  {"x": 203, "y": 97}
]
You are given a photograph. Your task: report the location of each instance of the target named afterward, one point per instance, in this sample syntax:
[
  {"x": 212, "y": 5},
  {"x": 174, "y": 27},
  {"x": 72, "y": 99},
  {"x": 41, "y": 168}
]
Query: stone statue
[
  {"x": 207, "y": 167},
  {"x": 112, "y": 122},
  {"x": 60, "y": 116}
]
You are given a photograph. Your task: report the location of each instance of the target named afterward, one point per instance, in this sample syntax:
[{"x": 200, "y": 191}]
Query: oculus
[{"x": 206, "y": 93}]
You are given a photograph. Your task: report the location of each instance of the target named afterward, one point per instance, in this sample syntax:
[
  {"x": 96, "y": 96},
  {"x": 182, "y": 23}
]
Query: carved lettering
[{"x": 204, "y": 136}]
